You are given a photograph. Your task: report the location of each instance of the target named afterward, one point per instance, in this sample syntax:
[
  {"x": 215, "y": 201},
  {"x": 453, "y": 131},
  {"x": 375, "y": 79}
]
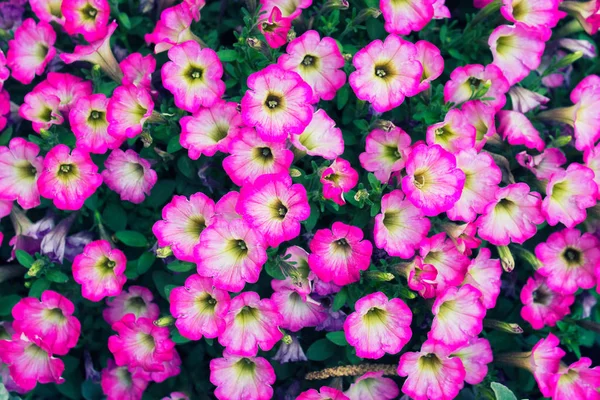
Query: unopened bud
[
  {"x": 530, "y": 258},
  {"x": 291, "y": 35},
  {"x": 146, "y": 138},
  {"x": 568, "y": 60},
  {"x": 254, "y": 43},
  {"x": 45, "y": 134},
  {"x": 163, "y": 154},
  {"x": 562, "y": 141},
  {"x": 336, "y": 5},
  {"x": 287, "y": 339},
  {"x": 165, "y": 321},
  {"x": 164, "y": 252},
  {"x": 36, "y": 267},
  {"x": 506, "y": 258},
  {"x": 361, "y": 195},
  {"x": 365, "y": 13},
  {"x": 28, "y": 284},
  {"x": 378, "y": 276},
  {"x": 386, "y": 125},
  {"x": 347, "y": 57},
  {"x": 96, "y": 71},
  {"x": 503, "y": 326},
  {"x": 406, "y": 293},
  {"x": 295, "y": 173}
]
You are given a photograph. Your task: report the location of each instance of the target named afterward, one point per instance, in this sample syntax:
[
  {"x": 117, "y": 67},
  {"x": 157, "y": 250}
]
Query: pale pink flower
[
  {"x": 129, "y": 175},
  {"x": 546, "y": 164},
  {"x": 172, "y": 28},
  {"x": 128, "y": 109},
  {"x": 137, "y": 70},
  {"x": 275, "y": 28},
  {"x": 541, "y": 305},
  {"x": 68, "y": 88},
  {"x": 86, "y": 17},
  {"x": 20, "y": 166},
  {"x": 454, "y": 134},
  {"x": 518, "y": 130},
  {"x": 100, "y": 270},
  {"x": 297, "y": 309},
  {"x": 373, "y": 386},
  {"x": 136, "y": 300},
  {"x": 324, "y": 393},
  {"x": 402, "y": 18},
  {"x": 120, "y": 384},
  {"x": 451, "y": 264},
  {"x": 337, "y": 179},
  {"x": 432, "y": 62},
  {"x": 236, "y": 377},
  {"x": 421, "y": 278},
  {"x": 90, "y": 126},
  {"x": 320, "y": 138},
  {"x": 533, "y": 13},
  {"x": 577, "y": 381},
  {"x": 475, "y": 356},
  {"x": 481, "y": 116},
  {"x": 475, "y": 81},
  {"x": 524, "y": 100},
  {"x": 42, "y": 110},
  {"x": 47, "y": 10},
  {"x": 31, "y": 50},
  {"x": 484, "y": 273},
  {"x": 385, "y": 152}
]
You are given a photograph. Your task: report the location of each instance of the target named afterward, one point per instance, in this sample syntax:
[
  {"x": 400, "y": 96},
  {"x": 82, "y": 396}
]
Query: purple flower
[
  {"x": 75, "y": 244},
  {"x": 53, "y": 244},
  {"x": 11, "y": 14},
  {"x": 28, "y": 235},
  {"x": 291, "y": 352}
]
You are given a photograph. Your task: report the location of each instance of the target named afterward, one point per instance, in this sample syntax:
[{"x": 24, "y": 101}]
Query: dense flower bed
[{"x": 299, "y": 199}]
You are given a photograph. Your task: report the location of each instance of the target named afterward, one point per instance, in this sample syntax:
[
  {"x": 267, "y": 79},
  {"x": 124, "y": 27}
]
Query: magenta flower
[
  {"x": 90, "y": 126},
  {"x": 481, "y": 116},
  {"x": 320, "y": 138},
  {"x": 324, "y": 393},
  {"x": 373, "y": 386},
  {"x": 385, "y": 152},
  {"x": 4, "y": 72},
  {"x": 432, "y": 182},
  {"x": 474, "y": 81},
  {"x": 546, "y": 164},
  {"x": 225, "y": 207},
  {"x": 46, "y": 10},
  {"x": 421, "y": 278},
  {"x": 49, "y": 322},
  {"x": 129, "y": 175},
  {"x": 543, "y": 306},
  {"x": 524, "y": 100},
  {"x": 484, "y": 273},
  {"x": 475, "y": 356},
  {"x": 169, "y": 369},
  {"x": 275, "y": 28},
  {"x": 137, "y": 70},
  {"x": 402, "y": 18},
  {"x": 250, "y": 323},
  {"x": 68, "y": 88},
  {"x": 533, "y": 13},
  {"x": 31, "y": 50},
  {"x": 68, "y": 177},
  {"x": 518, "y": 130},
  {"x": 432, "y": 62},
  {"x": 453, "y": 134},
  {"x": 577, "y": 380},
  {"x": 297, "y": 309},
  {"x": 128, "y": 109},
  {"x": 339, "y": 254},
  {"x": 136, "y": 300},
  {"x": 318, "y": 62},
  {"x": 274, "y": 207},
  {"x": 236, "y": 377},
  {"x": 231, "y": 253},
  {"x": 199, "y": 308},
  {"x": 378, "y": 326},
  {"x": 289, "y": 8},
  {"x": 20, "y": 167},
  {"x": 42, "y": 110},
  {"x": 337, "y": 179},
  {"x": 86, "y": 17},
  {"x": 386, "y": 72},
  {"x": 277, "y": 103},
  {"x": 4, "y": 106},
  {"x": 173, "y": 28},
  {"x": 120, "y": 384}
]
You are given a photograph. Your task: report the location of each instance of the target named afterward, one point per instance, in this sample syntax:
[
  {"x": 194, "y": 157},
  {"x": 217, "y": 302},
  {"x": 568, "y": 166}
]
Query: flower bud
[
  {"x": 379, "y": 276},
  {"x": 336, "y": 5},
  {"x": 567, "y": 60},
  {"x": 287, "y": 339},
  {"x": 365, "y": 13},
  {"x": 291, "y": 35},
  {"x": 36, "y": 267},
  {"x": 164, "y": 252},
  {"x": 530, "y": 258},
  {"x": 165, "y": 321},
  {"x": 562, "y": 141},
  {"x": 295, "y": 173},
  {"x": 361, "y": 195},
  {"x": 503, "y": 326},
  {"x": 387, "y": 126},
  {"x": 506, "y": 258},
  {"x": 254, "y": 43}
]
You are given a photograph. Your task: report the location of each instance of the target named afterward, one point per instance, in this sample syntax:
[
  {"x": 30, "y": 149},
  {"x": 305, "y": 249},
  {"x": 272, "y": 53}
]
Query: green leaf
[
  {"x": 24, "y": 258},
  {"x": 57, "y": 276},
  {"x": 174, "y": 144},
  {"x": 124, "y": 19},
  {"x": 177, "y": 338},
  {"x": 7, "y": 303},
  {"x": 38, "y": 287},
  {"x": 340, "y": 299},
  {"x": 320, "y": 350},
  {"x": 168, "y": 289},
  {"x": 91, "y": 391},
  {"x": 310, "y": 223},
  {"x": 145, "y": 262},
  {"x": 186, "y": 166},
  {"x": 115, "y": 217},
  {"x": 502, "y": 392},
  {"x": 132, "y": 238},
  {"x": 181, "y": 266},
  {"x": 274, "y": 270},
  {"x": 342, "y": 97},
  {"x": 338, "y": 338},
  {"x": 227, "y": 55},
  {"x": 161, "y": 192}
]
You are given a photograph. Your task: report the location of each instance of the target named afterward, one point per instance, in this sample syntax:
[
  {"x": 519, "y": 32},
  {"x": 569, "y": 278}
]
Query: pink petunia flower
[
  {"x": 68, "y": 88},
  {"x": 400, "y": 227},
  {"x": 250, "y": 323},
  {"x": 137, "y": 70},
  {"x": 136, "y": 300},
  {"x": 274, "y": 207},
  {"x": 587, "y": 13},
  {"x": 378, "y": 326},
  {"x": 386, "y": 72},
  {"x": 236, "y": 377},
  {"x": 512, "y": 216},
  {"x": 129, "y": 175},
  {"x": 297, "y": 309},
  {"x": 182, "y": 223},
  {"x": 475, "y": 356},
  {"x": 546, "y": 164},
  {"x": 373, "y": 386},
  {"x": 421, "y": 277},
  {"x": 289, "y": 8},
  {"x": 20, "y": 166},
  {"x": 277, "y": 103},
  {"x": 210, "y": 129},
  {"x": 275, "y": 28},
  {"x": 90, "y": 126},
  {"x": 576, "y": 381},
  {"x": 518, "y": 130},
  {"x": 193, "y": 76},
  {"x": 120, "y": 384},
  {"x": 481, "y": 116},
  {"x": 42, "y": 110},
  {"x": 318, "y": 62},
  {"x": 100, "y": 270},
  {"x": 524, "y": 100},
  {"x": 68, "y": 177},
  {"x": 484, "y": 273},
  {"x": 453, "y": 134},
  {"x": 49, "y": 322},
  {"x": 451, "y": 264},
  {"x": 128, "y": 109},
  {"x": 31, "y": 50},
  {"x": 225, "y": 207},
  {"x": 199, "y": 308},
  {"x": 320, "y": 138},
  {"x": 541, "y": 305},
  {"x": 432, "y": 62},
  {"x": 324, "y": 393},
  {"x": 533, "y": 13},
  {"x": 432, "y": 374},
  {"x": 475, "y": 81},
  {"x": 5, "y": 106},
  {"x": 402, "y": 18},
  {"x": 337, "y": 179},
  {"x": 232, "y": 253},
  {"x": 251, "y": 156},
  {"x": 86, "y": 17},
  {"x": 385, "y": 152},
  {"x": 432, "y": 182},
  {"x": 48, "y": 10},
  {"x": 140, "y": 343},
  {"x": 173, "y": 28},
  {"x": 169, "y": 369},
  {"x": 4, "y": 72},
  {"x": 339, "y": 254}
]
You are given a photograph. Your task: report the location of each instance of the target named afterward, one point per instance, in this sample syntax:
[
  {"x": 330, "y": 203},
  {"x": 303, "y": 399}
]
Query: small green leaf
[
  {"x": 342, "y": 97},
  {"x": 274, "y": 270},
  {"x": 7, "y": 303},
  {"x": 168, "y": 289},
  {"x": 124, "y": 19},
  {"x": 227, "y": 55},
  {"x": 177, "y": 338},
  {"x": 115, "y": 217},
  {"x": 310, "y": 223},
  {"x": 320, "y": 350},
  {"x": 502, "y": 392},
  {"x": 24, "y": 258},
  {"x": 57, "y": 276},
  {"x": 38, "y": 287},
  {"x": 181, "y": 266},
  {"x": 340, "y": 299},
  {"x": 132, "y": 238},
  {"x": 338, "y": 338},
  {"x": 145, "y": 262},
  {"x": 174, "y": 144},
  {"x": 186, "y": 166}
]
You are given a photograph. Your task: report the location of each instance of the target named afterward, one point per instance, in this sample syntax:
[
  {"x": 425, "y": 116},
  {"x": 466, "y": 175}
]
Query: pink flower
[
  {"x": 230, "y": 252},
  {"x": 541, "y": 305},
  {"x": 31, "y": 50},
  {"x": 378, "y": 326},
  {"x": 373, "y": 386},
  {"x": 421, "y": 278},
  {"x": 277, "y": 103},
  {"x": 47, "y": 10},
  {"x": 546, "y": 164},
  {"x": 274, "y": 207},
  {"x": 533, "y": 13},
  {"x": 475, "y": 356},
  {"x": 140, "y": 343},
  {"x": 402, "y": 18},
  {"x": 432, "y": 374},
  {"x": 318, "y": 62},
  {"x": 454, "y": 134},
  {"x": 432, "y": 62},
  {"x": 182, "y": 223},
  {"x": 29, "y": 364},
  {"x": 451, "y": 264},
  {"x": 86, "y": 17},
  {"x": 119, "y": 384},
  {"x": 250, "y": 323},
  {"x": 193, "y": 76},
  {"x": 251, "y": 156},
  {"x": 592, "y": 161},
  {"x": 128, "y": 109},
  {"x": 518, "y": 49},
  {"x": 136, "y": 300},
  {"x": 544, "y": 362},
  {"x": 568, "y": 194},
  {"x": 5, "y": 106},
  {"x": 20, "y": 166},
  {"x": 172, "y": 29},
  {"x": 512, "y": 216},
  {"x": 568, "y": 260},
  {"x": 458, "y": 315},
  {"x": 482, "y": 177},
  {"x": 324, "y": 393},
  {"x": 289, "y": 8},
  {"x": 386, "y": 72},
  {"x": 225, "y": 207},
  {"x": 339, "y": 254},
  {"x": 68, "y": 88},
  {"x": 297, "y": 309},
  {"x": 484, "y": 273},
  {"x": 129, "y": 175},
  {"x": 199, "y": 308},
  {"x": 337, "y": 179},
  {"x": 524, "y": 100},
  {"x": 90, "y": 127},
  {"x": 385, "y": 152},
  {"x": 169, "y": 369},
  {"x": 275, "y": 28},
  {"x": 49, "y": 322},
  {"x": 320, "y": 138},
  {"x": 4, "y": 72},
  {"x": 100, "y": 270},
  {"x": 68, "y": 177},
  {"x": 518, "y": 130},
  {"x": 210, "y": 129},
  {"x": 432, "y": 182},
  {"x": 587, "y": 13},
  {"x": 41, "y": 109},
  {"x": 577, "y": 381},
  {"x": 481, "y": 116},
  {"x": 238, "y": 377},
  {"x": 475, "y": 81},
  {"x": 137, "y": 70},
  {"x": 400, "y": 227}
]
